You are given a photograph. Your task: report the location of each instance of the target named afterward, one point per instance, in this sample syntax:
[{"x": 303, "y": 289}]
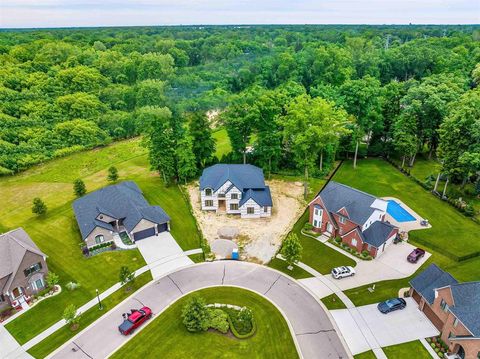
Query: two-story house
[
  {"x": 453, "y": 307},
  {"x": 358, "y": 218},
  {"x": 23, "y": 269},
  {"x": 235, "y": 189}
]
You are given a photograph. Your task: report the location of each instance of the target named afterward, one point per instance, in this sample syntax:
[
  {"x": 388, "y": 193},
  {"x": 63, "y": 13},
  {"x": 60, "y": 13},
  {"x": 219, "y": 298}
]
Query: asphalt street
[{"x": 314, "y": 332}]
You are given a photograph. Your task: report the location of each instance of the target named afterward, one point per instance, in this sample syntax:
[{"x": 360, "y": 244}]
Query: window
[
  {"x": 234, "y": 196},
  {"x": 354, "y": 242},
  {"x": 208, "y": 203},
  {"x": 342, "y": 219},
  {"x": 315, "y": 223},
  {"x": 265, "y": 209},
  {"x": 444, "y": 305},
  {"x": 99, "y": 239},
  {"x": 234, "y": 206},
  {"x": 33, "y": 269},
  {"x": 38, "y": 284},
  {"x": 250, "y": 210},
  {"x": 455, "y": 322},
  {"x": 221, "y": 195},
  {"x": 208, "y": 191}
]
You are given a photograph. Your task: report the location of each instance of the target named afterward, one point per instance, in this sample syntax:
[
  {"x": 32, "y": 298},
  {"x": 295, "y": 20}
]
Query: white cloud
[{"x": 53, "y": 13}]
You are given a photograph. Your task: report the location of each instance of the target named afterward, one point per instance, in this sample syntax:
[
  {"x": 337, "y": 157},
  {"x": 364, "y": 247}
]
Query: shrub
[
  {"x": 72, "y": 285},
  {"x": 79, "y": 188},
  {"x": 112, "y": 174},
  {"x": 127, "y": 276},
  {"x": 218, "y": 320},
  {"x": 71, "y": 317},
  {"x": 338, "y": 239},
  {"x": 52, "y": 279},
  {"x": 195, "y": 315},
  {"x": 308, "y": 226},
  {"x": 39, "y": 207},
  {"x": 437, "y": 350},
  {"x": 365, "y": 253},
  {"x": 292, "y": 249}
]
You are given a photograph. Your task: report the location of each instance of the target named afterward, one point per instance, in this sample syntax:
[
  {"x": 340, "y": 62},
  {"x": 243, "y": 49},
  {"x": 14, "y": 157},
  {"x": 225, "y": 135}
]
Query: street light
[{"x": 100, "y": 306}]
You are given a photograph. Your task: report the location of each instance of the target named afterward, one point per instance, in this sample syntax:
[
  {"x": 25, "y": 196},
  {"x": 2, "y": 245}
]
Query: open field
[
  {"x": 57, "y": 233},
  {"x": 55, "y": 340},
  {"x": 272, "y": 338},
  {"x": 260, "y": 238}
]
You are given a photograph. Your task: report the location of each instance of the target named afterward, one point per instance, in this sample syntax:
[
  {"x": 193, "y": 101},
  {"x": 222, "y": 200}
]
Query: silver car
[{"x": 342, "y": 272}]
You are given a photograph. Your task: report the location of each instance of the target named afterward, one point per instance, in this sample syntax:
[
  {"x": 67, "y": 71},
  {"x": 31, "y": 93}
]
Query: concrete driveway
[
  {"x": 313, "y": 329},
  {"x": 392, "y": 264},
  {"x": 162, "y": 254},
  {"x": 365, "y": 328},
  {"x": 9, "y": 347}
]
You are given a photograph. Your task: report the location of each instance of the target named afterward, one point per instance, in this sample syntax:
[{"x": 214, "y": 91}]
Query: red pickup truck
[{"x": 135, "y": 319}]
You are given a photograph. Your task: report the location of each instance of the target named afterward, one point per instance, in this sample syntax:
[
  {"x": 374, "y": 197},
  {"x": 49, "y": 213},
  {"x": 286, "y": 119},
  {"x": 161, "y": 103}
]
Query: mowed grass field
[
  {"x": 451, "y": 232},
  {"x": 57, "y": 234},
  {"x": 171, "y": 339},
  {"x": 223, "y": 145}
]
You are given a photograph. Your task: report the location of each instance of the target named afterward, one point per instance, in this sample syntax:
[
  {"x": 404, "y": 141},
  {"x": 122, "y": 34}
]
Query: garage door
[
  {"x": 162, "y": 227},
  {"x": 144, "y": 234}
]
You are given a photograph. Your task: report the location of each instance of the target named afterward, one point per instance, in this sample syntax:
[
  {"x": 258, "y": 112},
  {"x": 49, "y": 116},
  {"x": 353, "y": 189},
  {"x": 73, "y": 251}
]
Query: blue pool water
[{"x": 398, "y": 212}]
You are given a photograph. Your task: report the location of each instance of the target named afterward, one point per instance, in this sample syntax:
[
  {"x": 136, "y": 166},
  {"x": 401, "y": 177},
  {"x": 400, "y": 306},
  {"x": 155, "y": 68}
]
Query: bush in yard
[
  {"x": 218, "y": 320},
  {"x": 365, "y": 253},
  {"x": 39, "y": 207},
  {"x": 338, "y": 239},
  {"x": 71, "y": 317},
  {"x": 292, "y": 249},
  {"x": 112, "y": 174},
  {"x": 433, "y": 345},
  {"x": 195, "y": 315},
  {"x": 308, "y": 226},
  {"x": 127, "y": 276},
  {"x": 79, "y": 188},
  {"x": 72, "y": 286},
  {"x": 52, "y": 279}
]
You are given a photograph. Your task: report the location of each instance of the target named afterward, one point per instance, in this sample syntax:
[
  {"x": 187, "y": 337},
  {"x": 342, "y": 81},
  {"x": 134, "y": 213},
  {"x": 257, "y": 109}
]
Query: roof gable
[
  {"x": 378, "y": 233},
  {"x": 242, "y": 176},
  {"x": 262, "y": 196},
  {"x": 356, "y": 203},
  {"x": 430, "y": 279},
  {"x": 466, "y": 297}
]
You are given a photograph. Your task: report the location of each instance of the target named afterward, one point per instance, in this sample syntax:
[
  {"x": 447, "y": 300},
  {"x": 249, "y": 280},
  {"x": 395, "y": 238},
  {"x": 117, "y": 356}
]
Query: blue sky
[{"x": 57, "y": 13}]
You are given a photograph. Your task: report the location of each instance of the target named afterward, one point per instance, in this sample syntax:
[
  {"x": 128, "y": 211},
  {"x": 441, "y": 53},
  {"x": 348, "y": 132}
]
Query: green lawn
[
  {"x": 451, "y": 232},
  {"x": 333, "y": 302},
  {"x": 365, "y": 355},
  {"x": 316, "y": 254},
  {"x": 223, "y": 145},
  {"x": 271, "y": 340},
  {"x": 55, "y": 340},
  {"x": 413, "y": 349},
  {"x": 296, "y": 272},
  {"x": 58, "y": 236}
]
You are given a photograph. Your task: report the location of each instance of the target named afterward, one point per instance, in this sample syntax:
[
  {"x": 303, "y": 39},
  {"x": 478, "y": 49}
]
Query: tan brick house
[
  {"x": 358, "y": 218},
  {"x": 454, "y": 308},
  {"x": 23, "y": 269}
]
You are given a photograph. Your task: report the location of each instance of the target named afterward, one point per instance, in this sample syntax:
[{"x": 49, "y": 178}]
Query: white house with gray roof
[
  {"x": 119, "y": 209},
  {"x": 235, "y": 189}
]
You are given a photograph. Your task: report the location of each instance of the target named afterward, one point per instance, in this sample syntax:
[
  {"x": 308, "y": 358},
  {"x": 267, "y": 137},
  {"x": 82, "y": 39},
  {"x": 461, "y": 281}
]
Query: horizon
[{"x": 52, "y": 14}]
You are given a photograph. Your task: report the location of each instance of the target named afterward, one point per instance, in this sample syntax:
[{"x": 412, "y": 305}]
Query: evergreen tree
[
  {"x": 112, "y": 174},
  {"x": 195, "y": 315},
  {"x": 79, "y": 187},
  {"x": 39, "y": 207}
]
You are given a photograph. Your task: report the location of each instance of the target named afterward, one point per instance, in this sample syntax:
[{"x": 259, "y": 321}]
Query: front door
[
  {"x": 329, "y": 227},
  {"x": 17, "y": 292}
]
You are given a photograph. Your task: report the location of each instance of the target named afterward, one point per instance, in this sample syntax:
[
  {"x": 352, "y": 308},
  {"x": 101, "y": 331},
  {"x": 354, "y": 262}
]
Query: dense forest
[{"x": 292, "y": 98}]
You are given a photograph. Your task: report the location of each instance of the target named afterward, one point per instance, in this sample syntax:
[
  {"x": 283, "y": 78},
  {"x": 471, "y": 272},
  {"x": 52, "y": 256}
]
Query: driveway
[
  {"x": 9, "y": 347},
  {"x": 365, "y": 328},
  {"x": 162, "y": 254},
  {"x": 392, "y": 264},
  {"x": 312, "y": 326}
]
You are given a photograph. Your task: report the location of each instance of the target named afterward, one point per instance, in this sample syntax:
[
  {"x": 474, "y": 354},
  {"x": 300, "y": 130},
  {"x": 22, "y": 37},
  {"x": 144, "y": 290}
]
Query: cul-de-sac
[{"x": 238, "y": 191}]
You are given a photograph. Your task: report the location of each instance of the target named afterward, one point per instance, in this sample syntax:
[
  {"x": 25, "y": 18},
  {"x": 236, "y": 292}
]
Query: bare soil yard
[{"x": 259, "y": 239}]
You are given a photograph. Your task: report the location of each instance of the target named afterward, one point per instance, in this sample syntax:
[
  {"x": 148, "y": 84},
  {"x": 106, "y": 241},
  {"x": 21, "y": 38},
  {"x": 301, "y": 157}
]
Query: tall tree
[
  {"x": 186, "y": 167},
  {"x": 203, "y": 144}
]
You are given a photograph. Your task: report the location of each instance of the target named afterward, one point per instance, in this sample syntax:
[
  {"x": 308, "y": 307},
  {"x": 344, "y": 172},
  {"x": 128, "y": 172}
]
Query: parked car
[
  {"x": 341, "y": 272},
  {"x": 135, "y": 319},
  {"x": 391, "y": 305},
  {"x": 416, "y": 254}
]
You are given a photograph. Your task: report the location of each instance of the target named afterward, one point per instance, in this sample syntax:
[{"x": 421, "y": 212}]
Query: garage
[
  {"x": 162, "y": 227},
  {"x": 149, "y": 232}
]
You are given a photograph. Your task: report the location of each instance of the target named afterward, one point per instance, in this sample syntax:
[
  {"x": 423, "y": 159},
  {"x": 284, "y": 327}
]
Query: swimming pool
[{"x": 398, "y": 212}]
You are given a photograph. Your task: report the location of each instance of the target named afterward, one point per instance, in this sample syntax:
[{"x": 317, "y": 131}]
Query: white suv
[{"x": 341, "y": 272}]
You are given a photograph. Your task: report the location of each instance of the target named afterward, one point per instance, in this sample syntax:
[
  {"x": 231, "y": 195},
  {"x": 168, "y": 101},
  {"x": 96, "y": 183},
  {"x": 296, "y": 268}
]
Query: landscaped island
[{"x": 272, "y": 338}]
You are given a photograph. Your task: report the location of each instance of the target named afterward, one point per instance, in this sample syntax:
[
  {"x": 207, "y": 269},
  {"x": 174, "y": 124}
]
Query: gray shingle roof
[
  {"x": 122, "y": 201},
  {"x": 466, "y": 297},
  {"x": 357, "y": 203},
  {"x": 430, "y": 279},
  {"x": 242, "y": 176},
  {"x": 378, "y": 233},
  {"x": 262, "y": 197},
  {"x": 13, "y": 247}
]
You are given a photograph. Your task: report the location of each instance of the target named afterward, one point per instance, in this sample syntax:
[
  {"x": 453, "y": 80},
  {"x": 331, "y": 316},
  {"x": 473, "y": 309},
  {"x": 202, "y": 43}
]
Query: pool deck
[{"x": 406, "y": 226}]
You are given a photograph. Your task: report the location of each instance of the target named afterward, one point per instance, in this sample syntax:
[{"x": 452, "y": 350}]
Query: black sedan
[{"x": 391, "y": 305}]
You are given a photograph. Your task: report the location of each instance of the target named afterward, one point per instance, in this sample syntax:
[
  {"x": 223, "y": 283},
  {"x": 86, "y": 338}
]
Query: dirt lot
[{"x": 259, "y": 239}]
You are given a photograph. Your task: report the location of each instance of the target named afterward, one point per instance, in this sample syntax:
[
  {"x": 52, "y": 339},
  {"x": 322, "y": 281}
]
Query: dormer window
[
  {"x": 341, "y": 219},
  {"x": 208, "y": 191}
]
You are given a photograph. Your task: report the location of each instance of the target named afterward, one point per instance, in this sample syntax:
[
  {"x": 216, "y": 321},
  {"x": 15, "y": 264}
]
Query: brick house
[
  {"x": 358, "y": 218},
  {"x": 454, "y": 308},
  {"x": 23, "y": 269}
]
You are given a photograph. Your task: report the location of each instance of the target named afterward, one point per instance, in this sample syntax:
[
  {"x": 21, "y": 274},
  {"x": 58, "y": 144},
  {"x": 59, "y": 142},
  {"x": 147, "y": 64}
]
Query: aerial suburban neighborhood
[{"x": 255, "y": 183}]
